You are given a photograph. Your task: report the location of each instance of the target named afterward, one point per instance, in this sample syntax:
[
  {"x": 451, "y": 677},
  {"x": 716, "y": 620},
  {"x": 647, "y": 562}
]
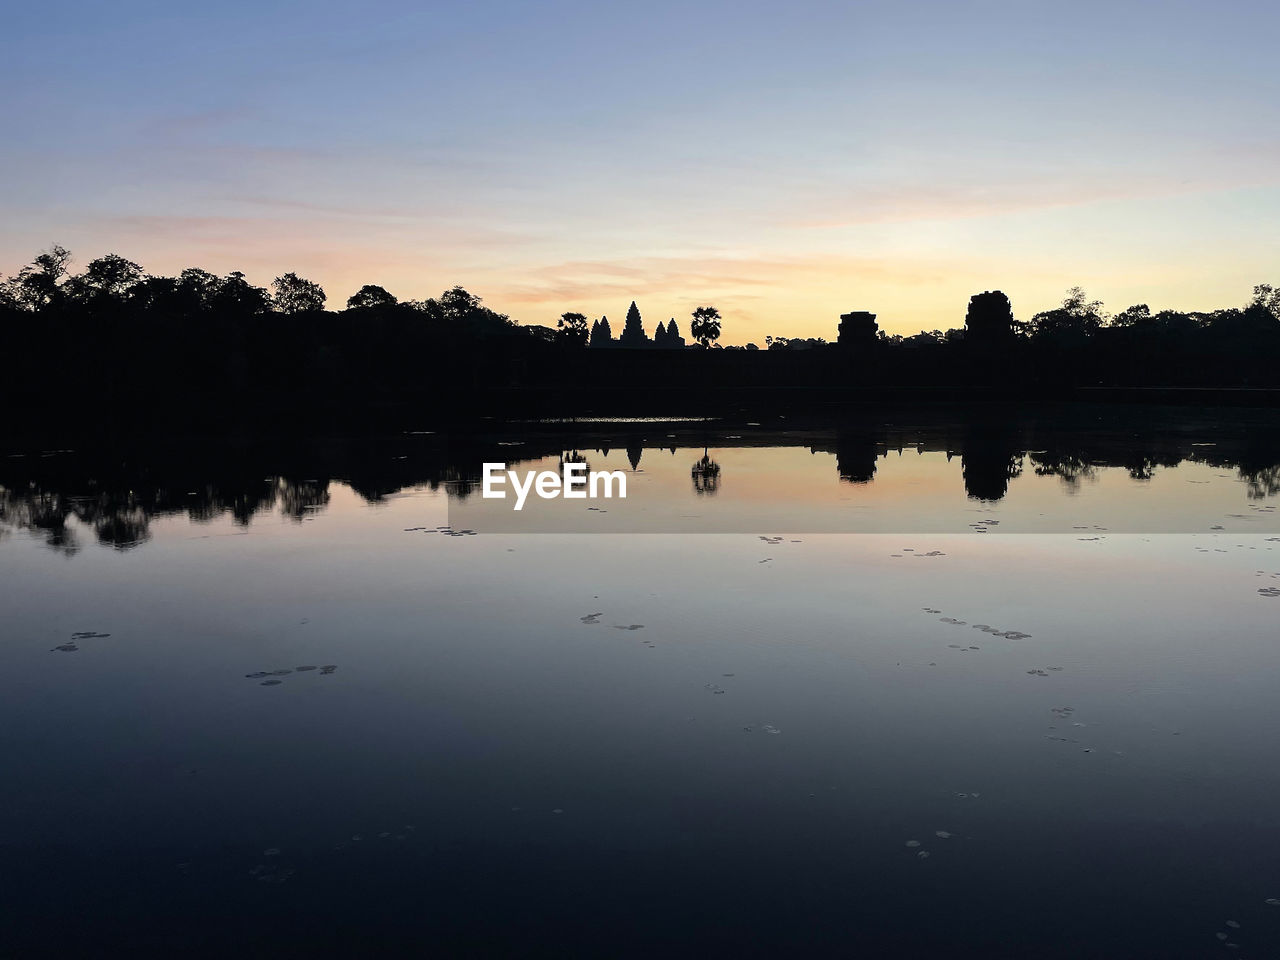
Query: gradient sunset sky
[{"x": 784, "y": 162}]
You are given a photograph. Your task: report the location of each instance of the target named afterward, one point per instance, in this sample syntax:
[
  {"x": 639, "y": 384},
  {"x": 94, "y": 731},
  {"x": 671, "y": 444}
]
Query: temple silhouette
[{"x": 665, "y": 336}]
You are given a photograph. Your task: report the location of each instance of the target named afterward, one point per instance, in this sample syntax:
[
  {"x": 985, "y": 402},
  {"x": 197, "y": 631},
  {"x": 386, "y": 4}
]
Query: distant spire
[
  {"x": 633, "y": 334},
  {"x": 601, "y": 335}
]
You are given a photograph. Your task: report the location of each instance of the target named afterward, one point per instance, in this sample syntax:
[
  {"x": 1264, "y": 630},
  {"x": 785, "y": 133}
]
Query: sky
[{"x": 785, "y": 163}]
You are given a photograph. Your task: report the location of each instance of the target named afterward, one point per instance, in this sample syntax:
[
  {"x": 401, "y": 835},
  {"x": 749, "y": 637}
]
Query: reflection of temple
[
  {"x": 113, "y": 495},
  {"x": 706, "y": 476},
  {"x": 990, "y": 457},
  {"x": 856, "y": 458},
  {"x": 574, "y": 457}
]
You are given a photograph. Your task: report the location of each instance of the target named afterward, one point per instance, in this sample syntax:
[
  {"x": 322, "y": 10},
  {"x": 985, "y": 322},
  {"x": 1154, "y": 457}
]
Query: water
[{"x": 329, "y": 729}]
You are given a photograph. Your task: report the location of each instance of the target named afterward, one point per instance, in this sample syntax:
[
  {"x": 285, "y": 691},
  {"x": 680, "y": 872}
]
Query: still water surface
[{"x": 323, "y": 725}]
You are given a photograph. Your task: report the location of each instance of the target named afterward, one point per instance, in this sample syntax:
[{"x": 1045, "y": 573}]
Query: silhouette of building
[
  {"x": 601, "y": 335},
  {"x": 989, "y": 319},
  {"x": 674, "y": 340},
  {"x": 668, "y": 337},
  {"x": 633, "y": 334},
  {"x": 857, "y": 329}
]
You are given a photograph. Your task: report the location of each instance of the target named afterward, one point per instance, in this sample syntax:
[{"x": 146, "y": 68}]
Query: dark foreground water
[{"x": 269, "y": 713}]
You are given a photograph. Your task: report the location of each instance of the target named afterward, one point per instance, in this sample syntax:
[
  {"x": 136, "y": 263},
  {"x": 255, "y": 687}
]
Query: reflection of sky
[
  {"x": 791, "y": 489},
  {"x": 785, "y": 164}
]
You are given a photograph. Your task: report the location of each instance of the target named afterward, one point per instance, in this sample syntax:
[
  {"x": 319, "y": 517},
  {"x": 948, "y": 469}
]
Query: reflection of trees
[
  {"x": 121, "y": 522},
  {"x": 297, "y": 499},
  {"x": 1141, "y": 468},
  {"x": 1261, "y": 483},
  {"x": 573, "y": 457},
  {"x": 112, "y": 497},
  {"x": 42, "y": 511},
  {"x": 706, "y": 476},
  {"x": 127, "y": 525},
  {"x": 243, "y": 500},
  {"x": 1071, "y": 469},
  {"x": 121, "y": 518}
]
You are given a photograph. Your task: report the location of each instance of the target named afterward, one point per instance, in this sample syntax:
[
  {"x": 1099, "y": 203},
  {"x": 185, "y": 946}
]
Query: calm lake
[{"x": 899, "y": 683}]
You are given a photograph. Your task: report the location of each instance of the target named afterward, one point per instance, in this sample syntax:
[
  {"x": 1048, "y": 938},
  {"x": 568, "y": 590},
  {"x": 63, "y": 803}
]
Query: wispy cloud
[{"x": 697, "y": 276}]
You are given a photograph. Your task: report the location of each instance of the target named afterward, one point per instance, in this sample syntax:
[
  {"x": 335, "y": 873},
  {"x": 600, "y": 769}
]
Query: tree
[
  {"x": 572, "y": 329},
  {"x": 237, "y": 295},
  {"x": 295, "y": 294},
  {"x": 109, "y": 276},
  {"x": 459, "y": 307},
  {"x": 1137, "y": 315},
  {"x": 457, "y": 304},
  {"x": 201, "y": 285},
  {"x": 1267, "y": 297},
  {"x": 371, "y": 295},
  {"x": 38, "y": 285},
  {"x": 1077, "y": 317},
  {"x": 705, "y": 327},
  {"x": 925, "y": 338}
]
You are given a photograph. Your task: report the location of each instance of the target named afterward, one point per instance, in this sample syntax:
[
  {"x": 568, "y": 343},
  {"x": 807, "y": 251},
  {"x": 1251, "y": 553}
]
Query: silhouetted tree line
[
  {"x": 113, "y": 334},
  {"x": 1080, "y": 343},
  {"x": 113, "y": 342}
]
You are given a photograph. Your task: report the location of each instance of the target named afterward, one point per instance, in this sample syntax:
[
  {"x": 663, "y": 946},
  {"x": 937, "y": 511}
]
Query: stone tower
[{"x": 857, "y": 329}]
